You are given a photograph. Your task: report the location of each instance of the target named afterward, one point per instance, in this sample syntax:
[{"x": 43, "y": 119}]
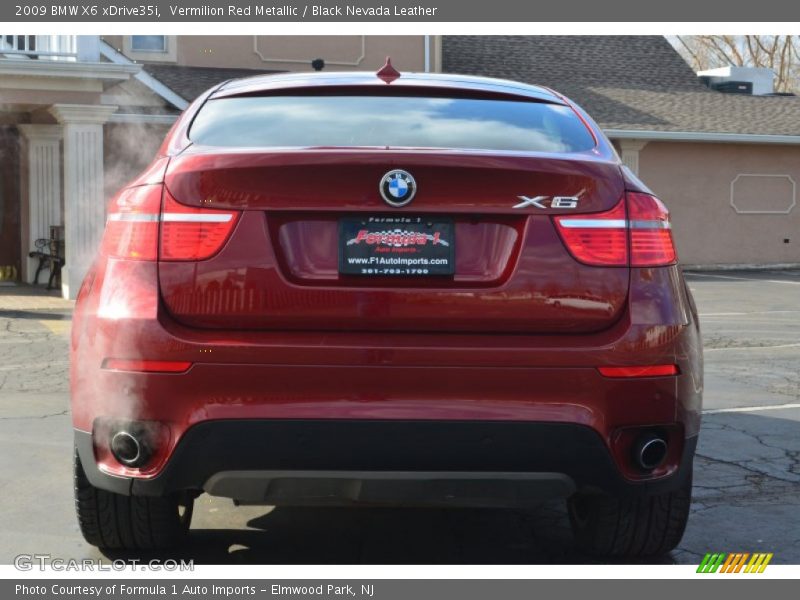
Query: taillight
[
  {"x": 639, "y": 236},
  {"x": 597, "y": 239},
  {"x": 189, "y": 233},
  {"x": 132, "y": 226},
  {"x": 651, "y": 231},
  {"x": 135, "y": 218}
]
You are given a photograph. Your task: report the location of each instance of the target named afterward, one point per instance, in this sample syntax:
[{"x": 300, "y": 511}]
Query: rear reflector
[
  {"x": 639, "y": 371},
  {"x": 146, "y": 366},
  {"x": 189, "y": 233},
  {"x": 597, "y": 239},
  {"x": 639, "y": 236}
]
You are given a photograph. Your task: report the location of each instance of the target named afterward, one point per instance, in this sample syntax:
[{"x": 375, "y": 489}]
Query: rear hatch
[{"x": 479, "y": 222}]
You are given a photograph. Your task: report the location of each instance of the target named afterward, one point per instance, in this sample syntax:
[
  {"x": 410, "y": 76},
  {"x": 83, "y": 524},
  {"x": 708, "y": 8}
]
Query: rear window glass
[{"x": 390, "y": 122}]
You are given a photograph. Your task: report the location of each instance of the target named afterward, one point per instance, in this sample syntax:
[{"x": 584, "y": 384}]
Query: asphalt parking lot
[{"x": 747, "y": 472}]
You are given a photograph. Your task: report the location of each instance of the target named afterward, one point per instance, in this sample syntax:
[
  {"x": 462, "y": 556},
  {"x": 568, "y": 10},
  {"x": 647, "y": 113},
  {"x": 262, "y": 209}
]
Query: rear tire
[
  {"x": 116, "y": 522},
  {"x": 632, "y": 526}
]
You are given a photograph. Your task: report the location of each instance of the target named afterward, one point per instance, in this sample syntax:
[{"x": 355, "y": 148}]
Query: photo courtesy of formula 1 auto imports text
[{"x": 422, "y": 299}]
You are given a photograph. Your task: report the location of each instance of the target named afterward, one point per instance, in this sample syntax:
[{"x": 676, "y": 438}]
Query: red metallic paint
[
  {"x": 272, "y": 331},
  {"x": 540, "y": 289},
  {"x": 409, "y": 83},
  {"x": 390, "y": 376},
  {"x": 449, "y": 181}
]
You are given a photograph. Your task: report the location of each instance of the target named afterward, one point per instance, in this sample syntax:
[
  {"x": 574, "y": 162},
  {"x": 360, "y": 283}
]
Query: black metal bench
[{"x": 50, "y": 252}]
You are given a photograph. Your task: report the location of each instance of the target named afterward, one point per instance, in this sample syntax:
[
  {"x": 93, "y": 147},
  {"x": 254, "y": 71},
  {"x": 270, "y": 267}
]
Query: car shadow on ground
[
  {"x": 389, "y": 536},
  {"x": 746, "y": 477}
]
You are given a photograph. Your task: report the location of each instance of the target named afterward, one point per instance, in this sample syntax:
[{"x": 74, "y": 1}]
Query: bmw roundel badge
[{"x": 398, "y": 187}]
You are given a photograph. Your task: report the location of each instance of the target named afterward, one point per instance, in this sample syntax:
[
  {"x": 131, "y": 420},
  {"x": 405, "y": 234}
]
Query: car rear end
[{"x": 433, "y": 291}]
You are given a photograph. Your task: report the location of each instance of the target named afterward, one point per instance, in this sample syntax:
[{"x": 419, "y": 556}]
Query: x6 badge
[{"x": 555, "y": 202}]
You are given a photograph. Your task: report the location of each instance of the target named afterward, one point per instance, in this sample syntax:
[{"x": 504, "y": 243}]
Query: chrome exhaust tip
[
  {"x": 127, "y": 449},
  {"x": 649, "y": 451}
]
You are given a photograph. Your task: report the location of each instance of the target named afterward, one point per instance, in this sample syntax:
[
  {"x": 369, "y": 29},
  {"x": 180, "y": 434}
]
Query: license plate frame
[{"x": 397, "y": 246}]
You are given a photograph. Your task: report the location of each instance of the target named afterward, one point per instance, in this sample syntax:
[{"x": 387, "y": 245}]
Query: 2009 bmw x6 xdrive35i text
[{"x": 371, "y": 289}]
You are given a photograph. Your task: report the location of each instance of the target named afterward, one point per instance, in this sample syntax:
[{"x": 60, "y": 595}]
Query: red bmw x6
[{"x": 380, "y": 289}]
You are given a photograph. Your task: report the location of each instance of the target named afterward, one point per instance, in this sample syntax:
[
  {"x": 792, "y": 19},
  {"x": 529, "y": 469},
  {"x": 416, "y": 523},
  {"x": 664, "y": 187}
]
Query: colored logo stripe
[
  {"x": 758, "y": 563},
  {"x": 711, "y": 563},
  {"x": 734, "y": 562}
]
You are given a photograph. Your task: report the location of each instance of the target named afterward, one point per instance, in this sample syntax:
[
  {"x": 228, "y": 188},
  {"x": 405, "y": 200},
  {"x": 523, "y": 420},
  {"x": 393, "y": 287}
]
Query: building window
[
  {"x": 149, "y": 43},
  {"x": 151, "y": 48}
]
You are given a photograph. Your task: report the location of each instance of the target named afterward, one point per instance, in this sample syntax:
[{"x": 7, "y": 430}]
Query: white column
[
  {"x": 84, "y": 202},
  {"x": 43, "y": 161},
  {"x": 62, "y": 47},
  {"x": 87, "y": 48},
  {"x": 630, "y": 153}
]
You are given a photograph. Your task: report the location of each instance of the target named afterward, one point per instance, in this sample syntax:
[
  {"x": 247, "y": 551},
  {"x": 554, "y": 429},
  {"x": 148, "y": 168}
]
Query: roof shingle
[
  {"x": 190, "y": 82},
  {"x": 624, "y": 82}
]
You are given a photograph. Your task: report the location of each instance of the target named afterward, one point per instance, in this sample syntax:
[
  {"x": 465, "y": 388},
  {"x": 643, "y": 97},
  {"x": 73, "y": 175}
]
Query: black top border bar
[{"x": 466, "y": 11}]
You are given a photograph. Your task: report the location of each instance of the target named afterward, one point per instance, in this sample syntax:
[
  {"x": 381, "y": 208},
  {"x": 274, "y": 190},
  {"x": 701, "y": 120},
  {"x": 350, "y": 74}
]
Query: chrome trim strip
[
  {"x": 613, "y": 224},
  {"x": 135, "y": 217},
  {"x": 195, "y": 218},
  {"x": 650, "y": 225},
  {"x": 594, "y": 223},
  {"x": 170, "y": 218}
]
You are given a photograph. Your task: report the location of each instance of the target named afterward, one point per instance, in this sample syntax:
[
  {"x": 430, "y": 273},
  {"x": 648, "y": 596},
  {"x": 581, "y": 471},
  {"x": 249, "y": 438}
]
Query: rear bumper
[
  {"x": 354, "y": 406},
  {"x": 468, "y": 463}
]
